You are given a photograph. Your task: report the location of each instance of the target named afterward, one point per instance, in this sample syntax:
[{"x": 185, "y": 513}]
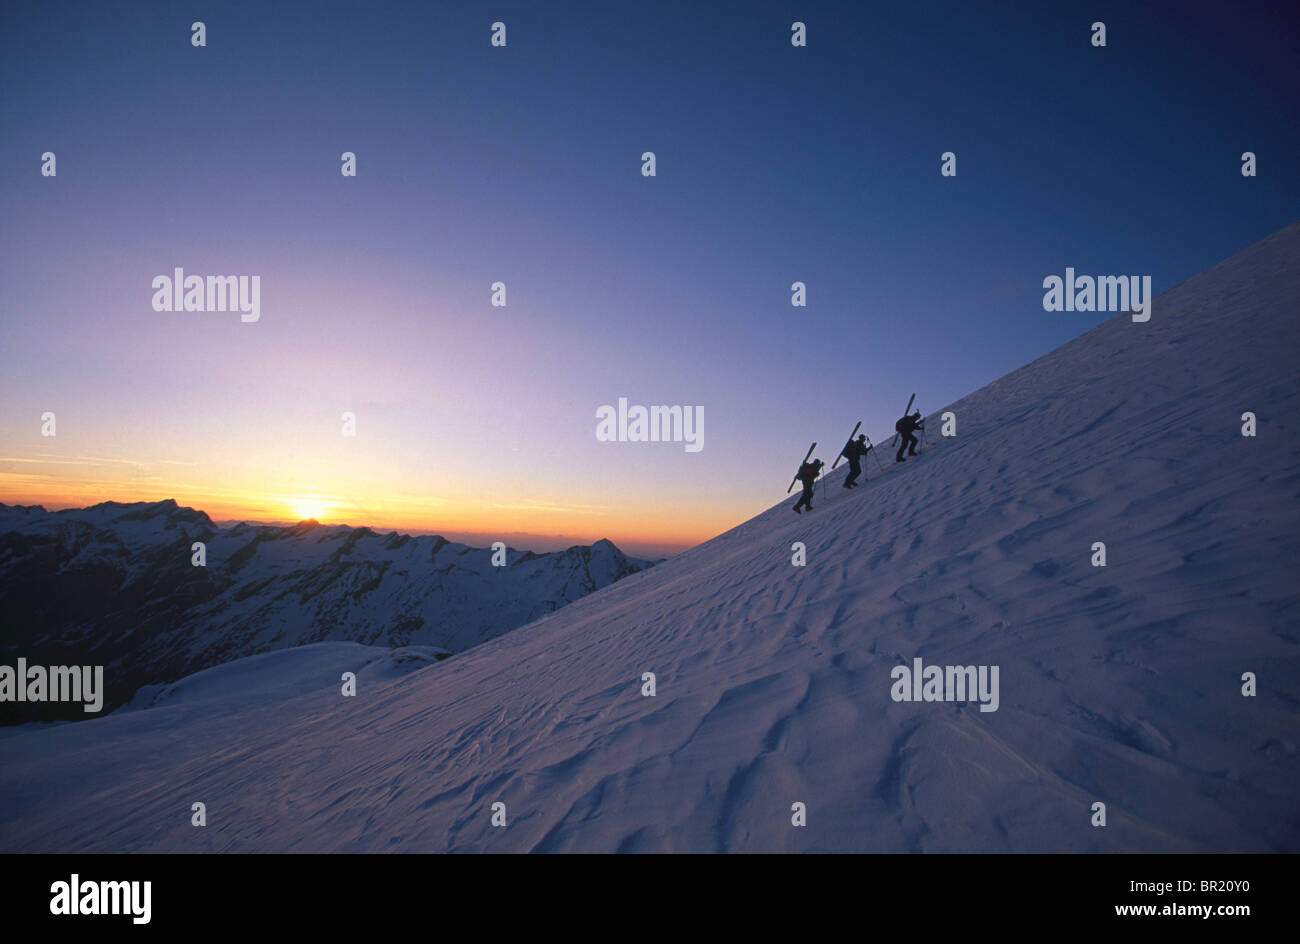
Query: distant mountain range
[{"x": 114, "y": 585}]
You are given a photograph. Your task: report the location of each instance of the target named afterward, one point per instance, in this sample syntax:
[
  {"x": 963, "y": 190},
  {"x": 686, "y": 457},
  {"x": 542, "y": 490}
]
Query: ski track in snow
[{"x": 1119, "y": 684}]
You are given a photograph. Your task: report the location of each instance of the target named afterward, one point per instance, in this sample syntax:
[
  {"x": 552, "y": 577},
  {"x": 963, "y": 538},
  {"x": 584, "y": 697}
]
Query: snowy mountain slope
[
  {"x": 1119, "y": 684},
  {"x": 272, "y": 677},
  {"x": 114, "y": 585}
]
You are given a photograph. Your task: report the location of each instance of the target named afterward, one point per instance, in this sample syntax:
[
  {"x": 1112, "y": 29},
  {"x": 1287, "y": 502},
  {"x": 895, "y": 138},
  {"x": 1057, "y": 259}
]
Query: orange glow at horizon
[{"x": 627, "y": 528}]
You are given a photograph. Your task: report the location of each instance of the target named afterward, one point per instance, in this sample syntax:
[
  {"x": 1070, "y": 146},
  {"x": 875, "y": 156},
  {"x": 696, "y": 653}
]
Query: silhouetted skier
[
  {"x": 807, "y": 474},
  {"x": 906, "y": 428},
  {"x": 855, "y": 452}
]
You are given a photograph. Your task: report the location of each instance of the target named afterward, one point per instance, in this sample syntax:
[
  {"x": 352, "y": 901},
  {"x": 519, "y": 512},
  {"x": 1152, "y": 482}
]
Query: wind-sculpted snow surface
[
  {"x": 1119, "y": 684},
  {"x": 115, "y": 585}
]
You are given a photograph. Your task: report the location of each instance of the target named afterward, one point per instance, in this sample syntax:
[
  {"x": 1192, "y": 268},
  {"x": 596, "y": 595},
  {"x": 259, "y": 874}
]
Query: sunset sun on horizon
[{"x": 310, "y": 506}]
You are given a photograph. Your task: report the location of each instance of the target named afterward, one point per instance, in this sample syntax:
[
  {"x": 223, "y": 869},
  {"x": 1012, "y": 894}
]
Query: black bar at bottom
[{"x": 653, "y": 895}]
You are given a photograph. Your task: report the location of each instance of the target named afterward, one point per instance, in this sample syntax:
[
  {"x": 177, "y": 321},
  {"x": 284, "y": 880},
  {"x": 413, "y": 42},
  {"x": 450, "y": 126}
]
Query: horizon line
[{"x": 559, "y": 541}]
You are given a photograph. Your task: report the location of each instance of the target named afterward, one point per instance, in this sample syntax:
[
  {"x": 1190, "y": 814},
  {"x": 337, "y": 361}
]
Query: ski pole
[
  {"x": 872, "y": 450},
  {"x": 880, "y": 465}
]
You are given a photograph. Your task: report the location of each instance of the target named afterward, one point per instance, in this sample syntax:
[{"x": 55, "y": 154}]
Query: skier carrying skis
[
  {"x": 855, "y": 452},
  {"x": 906, "y": 428},
  {"x": 807, "y": 474}
]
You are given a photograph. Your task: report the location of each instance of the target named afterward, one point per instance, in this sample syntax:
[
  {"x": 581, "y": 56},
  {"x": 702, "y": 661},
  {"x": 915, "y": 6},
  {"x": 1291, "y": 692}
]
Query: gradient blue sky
[{"x": 522, "y": 164}]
